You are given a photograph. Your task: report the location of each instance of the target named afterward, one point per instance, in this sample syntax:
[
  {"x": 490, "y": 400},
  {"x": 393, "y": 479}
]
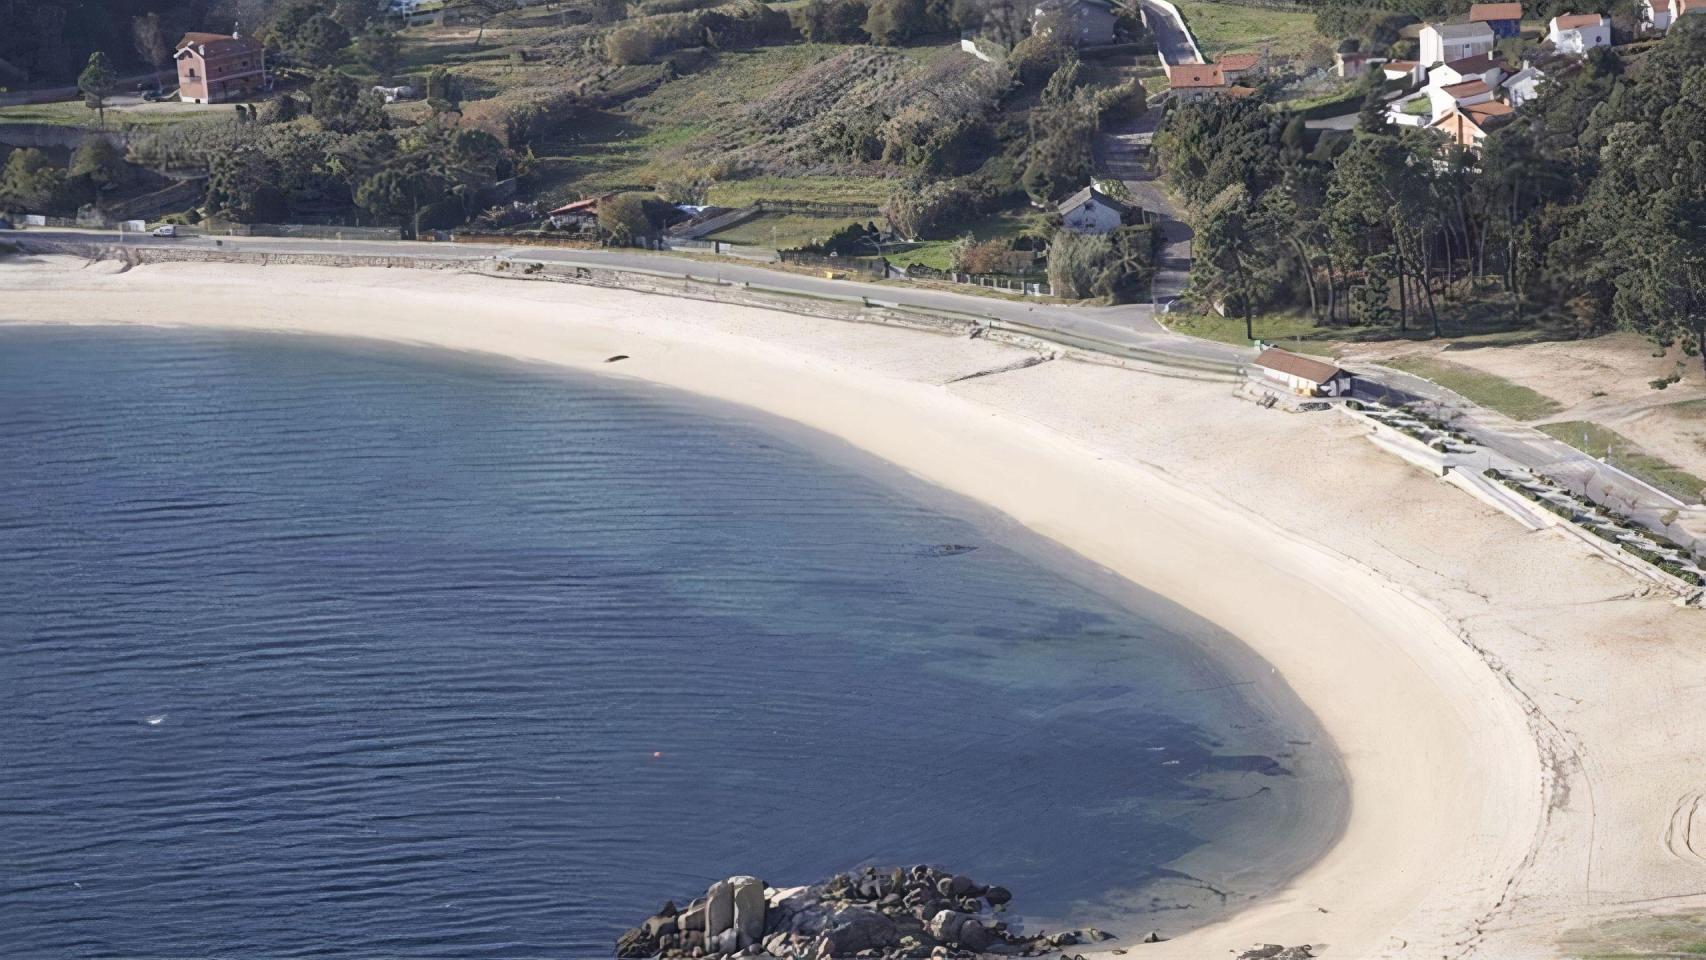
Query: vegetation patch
[
  {"x": 1493, "y": 392},
  {"x": 1677, "y": 935},
  {"x": 1285, "y": 31},
  {"x": 1616, "y": 449}
]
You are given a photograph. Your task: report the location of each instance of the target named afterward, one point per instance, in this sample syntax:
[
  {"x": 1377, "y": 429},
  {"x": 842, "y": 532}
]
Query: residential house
[
  {"x": 1092, "y": 211},
  {"x": 1579, "y": 32},
  {"x": 1658, "y": 16},
  {"x": 1234, "y": 66},
  {"x": 1449, "y": 98},
  {"x": 1193, "y": 81},
  {"x": 1522, "y": 86},
  {"x": 581, "y": 214},
  {"x": 1304, "y": 376},
  {"x": 1081, "y": 23},
  {"x": 1482, "y": 67},
  {"x": 1469, "y": 125},
  {"x": 1504, "y": 19},
  {"x": 215, "y": 68},
  {"x": 1410, "y": 70},
  {"x": 1445, "y": 42}
]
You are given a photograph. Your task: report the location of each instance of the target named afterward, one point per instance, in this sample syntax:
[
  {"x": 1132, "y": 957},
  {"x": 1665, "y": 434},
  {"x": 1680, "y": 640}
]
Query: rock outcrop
[{"x": 915, "y": 913}]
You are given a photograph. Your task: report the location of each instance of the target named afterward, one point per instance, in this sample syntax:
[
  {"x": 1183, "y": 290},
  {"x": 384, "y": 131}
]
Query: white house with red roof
[
  {"x": 1579, "y": 32},
  {"x": 1658, "y": 16}
]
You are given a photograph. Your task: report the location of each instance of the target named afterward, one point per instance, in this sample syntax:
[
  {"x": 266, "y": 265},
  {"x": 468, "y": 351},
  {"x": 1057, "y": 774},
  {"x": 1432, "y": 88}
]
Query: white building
[
  {"x": 1304, "y": 376},
  {"x": 1658, "y": 16},
  {"x": 1579, "y": 32},
  {"x": 1523, "y": 85},
  {"x": 1445, "y": 42},
  {"x": 1483, "y": 68},
  {"x": 1091, "y": 211},
  {"x": 1447, "y": 99}
]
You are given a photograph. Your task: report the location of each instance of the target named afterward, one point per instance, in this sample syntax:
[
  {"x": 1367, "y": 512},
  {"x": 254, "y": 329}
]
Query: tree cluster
[{"x": 1588, "y": 209}]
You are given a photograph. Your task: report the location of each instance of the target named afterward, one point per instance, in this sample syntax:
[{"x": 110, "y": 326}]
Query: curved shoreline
[{"x": 1444, "y": 774}]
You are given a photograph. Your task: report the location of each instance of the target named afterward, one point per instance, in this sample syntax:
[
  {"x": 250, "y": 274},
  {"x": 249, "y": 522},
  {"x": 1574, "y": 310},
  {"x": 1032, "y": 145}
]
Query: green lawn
[
  {"x": 1296, "y": 332},
  {"x": 1226, "y": 28},
  {"x": 72, "y": 113},
  {"x": 822, "y": 189},
  {"x": 934, "y": 253},
  {"x": 782, "y": 231},
  {"x": 1496, "y": 393},
  {"x": 1603, "y": 442}
]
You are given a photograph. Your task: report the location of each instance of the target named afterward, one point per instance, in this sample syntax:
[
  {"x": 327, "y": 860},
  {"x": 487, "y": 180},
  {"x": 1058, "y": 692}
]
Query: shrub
[
  {"x": 832, "y": 21},
  {"x": 988, "y": 256},
  {"x": 933, "y": 211},
  {"x": 1036, "y": 58},
  {"x": 626, "y": 219},
  {"x": 631, "y": 45}
]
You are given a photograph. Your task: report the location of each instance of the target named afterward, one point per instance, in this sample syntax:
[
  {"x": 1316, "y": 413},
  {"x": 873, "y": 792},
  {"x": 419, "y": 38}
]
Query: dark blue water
[{"x": 321, "y": 649}]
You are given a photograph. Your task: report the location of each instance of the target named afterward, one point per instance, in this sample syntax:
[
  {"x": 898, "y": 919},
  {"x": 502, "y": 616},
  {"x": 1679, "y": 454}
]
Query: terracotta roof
[
  {"x": 1481, "y": 12},
  {"x": 1306, "y": 368},
  {"x": 216, "y": 43},
  {"x": 1404, "y": 65},
  {"x": 1237, "y": 92},
  {"x": 1468, "y": 88},
  {"x": 1483, "y": 112},
  {"x": 589, "y": 205},
  {"x": 1196, "y": 75},
  {"x": 1476, "y": 64},
  {"x": 1572, "y": 21},
  {"x": 1238, "y": 61},
  {"x": 1690, "y": 6}
]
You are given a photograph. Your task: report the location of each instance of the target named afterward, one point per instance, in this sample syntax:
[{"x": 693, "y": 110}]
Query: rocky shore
[{"x": 911, "y": 912}]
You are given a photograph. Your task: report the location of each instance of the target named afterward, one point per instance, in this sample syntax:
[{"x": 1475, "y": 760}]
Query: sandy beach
[{"x": 1516, "y": 716}]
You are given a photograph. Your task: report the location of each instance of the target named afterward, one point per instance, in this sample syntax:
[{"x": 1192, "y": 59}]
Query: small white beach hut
[{"x": 1304, "y": 376}]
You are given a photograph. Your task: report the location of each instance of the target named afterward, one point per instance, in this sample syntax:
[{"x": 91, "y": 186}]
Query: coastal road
[
  {"x": 1127, "y": 325},
  {"x": 1172, "y": 38},
  {"x": 1130, "y": 326}
]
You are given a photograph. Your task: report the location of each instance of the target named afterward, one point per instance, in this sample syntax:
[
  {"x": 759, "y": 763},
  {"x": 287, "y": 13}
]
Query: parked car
[
  {"x": 155, "y": 96},
  {"x": 6, "y": 224},
  {"x": 166, "y": 230}
]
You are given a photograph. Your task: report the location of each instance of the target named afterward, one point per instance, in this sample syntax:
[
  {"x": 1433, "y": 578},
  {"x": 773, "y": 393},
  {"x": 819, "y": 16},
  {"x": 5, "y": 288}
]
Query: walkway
[
  {"x": 1122, "y": 153},
  {"x": 1173, "y": 40}
]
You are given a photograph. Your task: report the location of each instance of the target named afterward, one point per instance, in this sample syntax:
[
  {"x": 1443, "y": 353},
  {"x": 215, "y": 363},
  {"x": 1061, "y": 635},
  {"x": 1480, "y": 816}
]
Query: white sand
[{"x": 1519, "y": 724}]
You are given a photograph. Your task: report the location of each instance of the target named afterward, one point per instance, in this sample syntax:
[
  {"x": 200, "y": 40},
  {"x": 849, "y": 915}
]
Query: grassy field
[
  {"x": 935, "y": 253},
  {"x": 72, "y": 113},
  {"x": 635, "y": 146},
  {"x": 1228, "y": 28},
  {"x": 1495, "y": 393},
  {"x": 782, "y": 231},
  {"x": 1296, "y": 332},
  {"x": 1605, "y": 443}
]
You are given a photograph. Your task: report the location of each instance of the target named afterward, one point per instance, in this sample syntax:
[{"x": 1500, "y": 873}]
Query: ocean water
[{"x": 313, "y": 648}]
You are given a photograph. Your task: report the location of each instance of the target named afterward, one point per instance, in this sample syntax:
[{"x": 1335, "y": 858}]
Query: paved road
[
  {"x": 1120, "y": 153},
  {"x": 1523, "y": 446},
  {"x": 1172, "y": 38},
  {"x": 1129, "y": 325}
]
